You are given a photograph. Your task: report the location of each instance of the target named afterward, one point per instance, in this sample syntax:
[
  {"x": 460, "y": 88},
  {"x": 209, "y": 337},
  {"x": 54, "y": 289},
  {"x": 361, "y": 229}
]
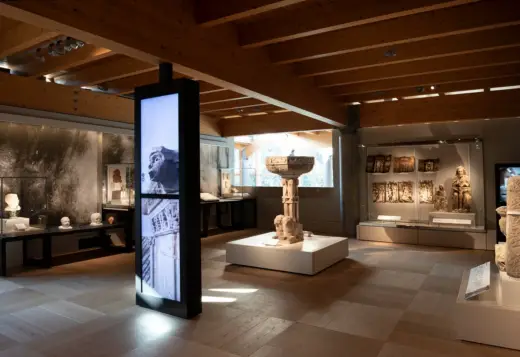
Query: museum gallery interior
[{"x": 260, "y": 178}]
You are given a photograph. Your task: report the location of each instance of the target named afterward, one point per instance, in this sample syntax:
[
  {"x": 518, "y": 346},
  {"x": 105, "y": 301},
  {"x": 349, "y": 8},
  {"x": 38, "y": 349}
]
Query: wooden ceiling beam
[
  {"x": 483, "y": 15},
  {"x": 246, "y": 111},
  {"x": 243, "y": 103},
  {"x": 447, "y": 87},
  {"x": 270, "y": 123},
  {"x": 79, "y": 57},
  {"x": 22, "y": 37},
  {"x": 222, "y": 97},
  {"x": 320, "y": 17},
  {"x": 127, "y": 84},
  {"x": 116, "y": 67},
  {"x": 211, "y": 13},
  {"x": 441, "y": 109},
  {"x": 472, "y": 42},
  {"x": 438, "y": 65},
  {"x": 169, "y": 33},
  {"x": 428, "y": 80},
  {"x": 29, "y": 93}
]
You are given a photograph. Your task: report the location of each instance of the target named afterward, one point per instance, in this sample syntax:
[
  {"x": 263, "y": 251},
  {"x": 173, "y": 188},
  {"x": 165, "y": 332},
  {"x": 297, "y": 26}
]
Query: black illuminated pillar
[{"x": 168, "y": 266}]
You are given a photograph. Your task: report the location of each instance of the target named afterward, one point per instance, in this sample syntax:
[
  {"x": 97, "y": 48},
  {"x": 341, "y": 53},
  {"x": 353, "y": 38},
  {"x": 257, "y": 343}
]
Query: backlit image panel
[
  {"x": 160, "y": 145},
  {"x": 160, "y": 257}
]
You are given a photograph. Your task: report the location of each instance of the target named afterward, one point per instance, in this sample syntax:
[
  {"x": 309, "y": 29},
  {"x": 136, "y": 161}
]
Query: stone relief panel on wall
[
  {"x": 405, "y": 189},
  {"x": 392, "y": 192},
  {"x": 378, "y": 192},
  {"x": 404, "y": 164},
  {"x": 426, "y": 191}
]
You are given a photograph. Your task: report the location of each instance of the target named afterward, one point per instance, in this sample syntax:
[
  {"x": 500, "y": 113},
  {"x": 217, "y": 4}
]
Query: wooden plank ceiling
[{"x": 296, "y": 56}]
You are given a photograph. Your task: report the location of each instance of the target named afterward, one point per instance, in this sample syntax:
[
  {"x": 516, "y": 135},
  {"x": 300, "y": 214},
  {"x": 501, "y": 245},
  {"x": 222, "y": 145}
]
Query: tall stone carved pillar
[{"x": 513, "y": 227}]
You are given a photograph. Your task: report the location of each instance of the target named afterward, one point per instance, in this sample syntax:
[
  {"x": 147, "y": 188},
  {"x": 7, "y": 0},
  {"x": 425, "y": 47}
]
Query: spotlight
[{"x": 432, "y": 87}]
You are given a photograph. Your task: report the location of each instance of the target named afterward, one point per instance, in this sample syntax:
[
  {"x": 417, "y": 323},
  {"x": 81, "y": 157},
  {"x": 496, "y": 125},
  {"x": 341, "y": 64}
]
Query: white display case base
[
  {"x": 308, "y": 257},
  {"x": 453, "y": 218},
  {"x": 9, "y": 225},
  {"x": 493, "y": 317}
]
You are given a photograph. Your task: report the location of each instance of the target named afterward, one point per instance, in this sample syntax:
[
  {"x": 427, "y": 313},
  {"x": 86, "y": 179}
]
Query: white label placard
[
  {"x": 479, "y": 280},
  {"x": 20, "y": 227},
  {"x": 388, "y": 218},
  {"x": 465, "y": 222}
]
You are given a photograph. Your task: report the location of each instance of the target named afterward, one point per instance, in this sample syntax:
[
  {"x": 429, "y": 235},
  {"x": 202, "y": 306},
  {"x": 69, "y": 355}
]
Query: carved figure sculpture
[
  {"x": 292, "y": 230},
  {"x": 513, "y": 227},
  {"x": 288, "y": 226},
  {"x": 501, "y": 256},
  {"x": 502, "y": 212},
  {"x": 95, "y": 219},
  {"x": 65, "y": 223},
  {"x": 461, "y": 191},
  {"x": 440, "y": 201},
  {"x": 13, "y": 204},
  {"x": 278, "y": 225},
  {"x": 163, "y": 169}
]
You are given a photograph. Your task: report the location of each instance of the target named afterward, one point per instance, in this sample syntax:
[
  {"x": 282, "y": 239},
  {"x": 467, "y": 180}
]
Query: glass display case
[
  {"x": 435, "y": 184},
  {"x": 23, "y": 204},
  {"x": 237, "y": 183},
  {"x": 118, "y": 186}
]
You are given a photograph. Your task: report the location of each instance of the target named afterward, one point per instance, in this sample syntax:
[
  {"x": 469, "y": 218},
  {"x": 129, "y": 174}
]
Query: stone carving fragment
[
  {"x": 501, "y": 256},
  {"x": 513, "y": 227}
]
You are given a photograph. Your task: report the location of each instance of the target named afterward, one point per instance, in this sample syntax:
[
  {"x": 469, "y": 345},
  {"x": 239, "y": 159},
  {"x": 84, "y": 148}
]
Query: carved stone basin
[{"x": 289, "y": 166}]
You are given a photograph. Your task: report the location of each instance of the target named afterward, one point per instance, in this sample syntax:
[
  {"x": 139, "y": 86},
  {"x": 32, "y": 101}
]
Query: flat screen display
[
  {"x": 504, "y": 173},
  {"x": 160, "y": 145},
  {"x": 160, "y": 242}
]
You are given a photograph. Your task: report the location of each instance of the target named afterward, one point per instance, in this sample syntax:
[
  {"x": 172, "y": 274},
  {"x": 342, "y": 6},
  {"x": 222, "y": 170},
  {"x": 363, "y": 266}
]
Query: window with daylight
[{"x": 251, "y": 152}]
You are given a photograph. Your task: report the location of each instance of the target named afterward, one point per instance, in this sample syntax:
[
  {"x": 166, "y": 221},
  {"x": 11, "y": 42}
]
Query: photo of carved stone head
[
  {"x": 160, "y": 145},
  {"x": 405, "y": 189},
  {"x": 163, "y": 170}
]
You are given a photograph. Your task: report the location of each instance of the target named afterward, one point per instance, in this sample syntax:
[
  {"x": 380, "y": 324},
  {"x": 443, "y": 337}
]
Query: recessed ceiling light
[
  {"x": 355, "y": 103},
  {"x": 395, "y": 99},
  {"x": 256, "y": 114},
  {"x": 422, "y": 96},
  {"x": 231, "y": 116},
  {"x": 494, "y": 89},
  {"x": 470, "y": 91},
  {"x": 374, "y": 101},
  {"x": 432, "y": 87}
]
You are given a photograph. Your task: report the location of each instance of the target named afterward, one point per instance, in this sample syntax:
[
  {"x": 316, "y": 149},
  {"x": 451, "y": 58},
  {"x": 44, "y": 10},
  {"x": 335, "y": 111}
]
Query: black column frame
[{"x": 189, "y": 198}]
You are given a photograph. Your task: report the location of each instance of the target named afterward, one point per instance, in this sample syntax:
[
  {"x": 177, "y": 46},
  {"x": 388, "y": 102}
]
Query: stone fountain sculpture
[{"x": 290, "y": 168}]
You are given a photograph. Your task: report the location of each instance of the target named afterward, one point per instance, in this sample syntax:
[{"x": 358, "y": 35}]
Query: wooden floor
[{"x": 384, "y": 300}]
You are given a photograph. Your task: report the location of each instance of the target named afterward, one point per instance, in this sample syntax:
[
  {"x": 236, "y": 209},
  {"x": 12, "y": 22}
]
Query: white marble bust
[
  {"x": 95, "y": 219},
  {"x": 65, "y": 223},
  {"x": 13, "y": 203}
]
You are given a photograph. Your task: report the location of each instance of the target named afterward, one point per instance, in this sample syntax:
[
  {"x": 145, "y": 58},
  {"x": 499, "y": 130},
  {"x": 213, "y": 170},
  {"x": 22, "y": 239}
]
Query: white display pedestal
[
  {"x": 493, "y": 317},
  {"x": 308, "y": 257},
  {"x": 9, "y": 225},
  {"x": 453, "y": 218}
]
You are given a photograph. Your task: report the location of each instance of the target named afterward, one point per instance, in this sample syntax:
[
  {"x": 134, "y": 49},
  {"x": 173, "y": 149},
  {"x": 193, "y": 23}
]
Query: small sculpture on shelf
[
  {"x": 440, "y": 202},
  {"x": 95, "y": 219},
  {"x": 13, "y": 205},
  {"x": 461, "y": 191},
  {"x": 65, "y": 223}
]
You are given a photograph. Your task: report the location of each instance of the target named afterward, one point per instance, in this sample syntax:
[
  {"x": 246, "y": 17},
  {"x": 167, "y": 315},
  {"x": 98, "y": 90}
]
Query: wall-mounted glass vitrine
[{"x": 437, "y": 184}]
